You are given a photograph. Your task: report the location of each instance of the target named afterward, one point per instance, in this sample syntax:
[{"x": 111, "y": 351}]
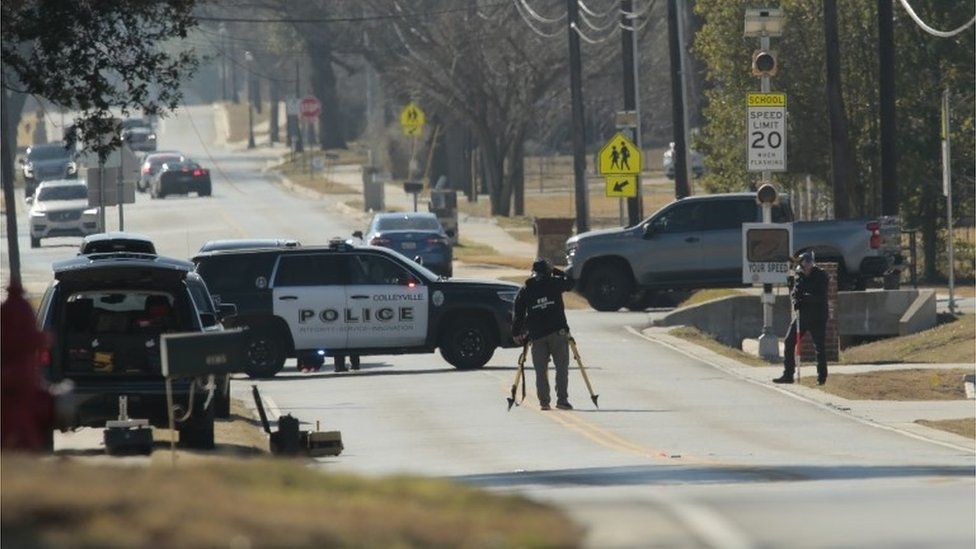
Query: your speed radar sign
[{"x": 767, "y": 132}]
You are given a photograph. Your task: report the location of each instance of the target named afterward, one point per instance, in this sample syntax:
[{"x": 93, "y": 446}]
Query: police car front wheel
[
  {"x": 468, "y": 343},
  {"x": 265, "y": 353}
]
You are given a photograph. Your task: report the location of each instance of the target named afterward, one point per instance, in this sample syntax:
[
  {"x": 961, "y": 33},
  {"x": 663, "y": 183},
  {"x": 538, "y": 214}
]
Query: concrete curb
[{"x": 836, "y": 405}]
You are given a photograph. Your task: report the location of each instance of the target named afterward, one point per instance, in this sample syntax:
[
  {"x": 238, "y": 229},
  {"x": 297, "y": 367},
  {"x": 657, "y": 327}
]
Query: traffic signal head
[{"x": 764, "y": 63}]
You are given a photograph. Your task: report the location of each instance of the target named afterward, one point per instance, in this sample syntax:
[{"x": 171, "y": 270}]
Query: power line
[
  {"x": 596, "y": 27},
  {"x": 587, "y": 39},
  {"x": 531, "y": 25},
  {"x": 535, "y": 15},
  {"x": 930, "y": 30},
  {"x": 352, "y": 19},
  {"x": 585, "y": 9}
]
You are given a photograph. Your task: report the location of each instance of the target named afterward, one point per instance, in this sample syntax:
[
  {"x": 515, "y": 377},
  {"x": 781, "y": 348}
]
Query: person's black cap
[
  {"x": 541, "y": 266},
  {"x": 806, "y": 257}
]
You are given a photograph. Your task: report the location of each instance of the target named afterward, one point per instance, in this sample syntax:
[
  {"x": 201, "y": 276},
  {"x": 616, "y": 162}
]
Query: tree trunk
[
  {"x": 516, "y": 173},
  {"x": 840, "y": 160},
  {"x": 275, "y": 96},
  {"x": 10, "y": 111},
  {"x": 323, "y": 81},
  {"x": 494, "y": 165}
]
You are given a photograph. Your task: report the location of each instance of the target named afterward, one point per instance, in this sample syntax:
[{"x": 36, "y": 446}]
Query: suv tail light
[
  {"x": 436, "y": 240},
  {"x": 145, "y": 168},
  {"x": 379, "y": 241},
  {"x": 875, "y": 229},
  {"x": 198, "y": 172}
]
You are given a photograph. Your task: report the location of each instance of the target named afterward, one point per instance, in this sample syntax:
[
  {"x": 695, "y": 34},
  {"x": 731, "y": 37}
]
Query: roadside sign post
[
  {"x": 620, "y": 162},
  {"x": 412, "y": 122},
  {"x": 947, "y": 192}
]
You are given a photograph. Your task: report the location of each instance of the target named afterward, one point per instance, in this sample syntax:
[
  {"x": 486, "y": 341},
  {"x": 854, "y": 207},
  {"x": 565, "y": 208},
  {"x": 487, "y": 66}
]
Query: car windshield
[
  {"x": 66, "y": 192},
  {"x": 408, "y": 223},
  {"x": 134, "y": 123},
  {"x": 52, "y": 152}
]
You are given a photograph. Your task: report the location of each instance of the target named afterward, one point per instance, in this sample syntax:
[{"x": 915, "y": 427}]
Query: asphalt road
[{"x": 680, "y": 454}]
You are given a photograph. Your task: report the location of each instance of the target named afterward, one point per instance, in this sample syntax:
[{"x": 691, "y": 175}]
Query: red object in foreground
[
  {"x": 310, "y": 107},
  {"x": 27, "y": 407}
]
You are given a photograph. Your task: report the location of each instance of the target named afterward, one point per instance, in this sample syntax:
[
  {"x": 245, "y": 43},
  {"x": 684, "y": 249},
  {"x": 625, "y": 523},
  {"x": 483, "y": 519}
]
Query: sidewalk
[{"x": 897, "y": 416}]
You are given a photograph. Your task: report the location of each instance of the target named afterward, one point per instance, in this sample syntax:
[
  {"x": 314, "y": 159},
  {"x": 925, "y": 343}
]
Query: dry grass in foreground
[
  {"x": 701, "y": 338},
  {"x": 258, "y": 503},
  {"x": 912, "y": 384},
  {"x": 954, "y": 342},
  {"x": 961, "y": 427},
  {"x": 473, "y": 252}
]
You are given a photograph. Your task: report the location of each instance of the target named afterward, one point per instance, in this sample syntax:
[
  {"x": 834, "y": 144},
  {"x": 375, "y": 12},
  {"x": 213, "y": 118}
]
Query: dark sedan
[
  {"x": 182, "y": 177},
  {"x": 46, "y": 162},
  {"x": 416, "y": 235},
  {"x": 151, "y": 165}
]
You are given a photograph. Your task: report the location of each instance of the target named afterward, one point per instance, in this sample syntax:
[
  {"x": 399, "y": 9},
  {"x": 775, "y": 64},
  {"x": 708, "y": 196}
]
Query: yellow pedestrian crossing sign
[
  {"x": 620, "y": 157},
  {"x": 624, "y": 186},
  {"x": 412, "y": 120}
]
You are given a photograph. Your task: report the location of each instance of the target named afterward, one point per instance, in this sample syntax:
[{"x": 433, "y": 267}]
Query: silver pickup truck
[{"x": 696, "y": 242}]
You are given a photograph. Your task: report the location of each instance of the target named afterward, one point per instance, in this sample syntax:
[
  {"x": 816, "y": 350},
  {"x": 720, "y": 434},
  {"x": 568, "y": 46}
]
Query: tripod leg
[{"x": 586, "y": 378}]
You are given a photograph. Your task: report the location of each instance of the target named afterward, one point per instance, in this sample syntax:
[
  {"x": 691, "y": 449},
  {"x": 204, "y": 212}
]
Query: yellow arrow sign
[
  {"x": 412, "y": 119},
  {"x": 622, "y": 186},
  {"x": 620, "y": 157}
]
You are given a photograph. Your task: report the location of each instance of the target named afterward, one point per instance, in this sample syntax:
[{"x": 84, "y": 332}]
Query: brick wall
[{"x": 807, "y": 352}]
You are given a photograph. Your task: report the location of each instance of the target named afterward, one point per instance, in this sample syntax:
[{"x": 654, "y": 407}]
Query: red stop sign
[{"x": 309, "y": 106}]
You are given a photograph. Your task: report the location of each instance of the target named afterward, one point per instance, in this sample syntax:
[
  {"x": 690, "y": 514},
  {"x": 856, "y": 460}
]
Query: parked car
[
  {"x": 107, "y": 313},
  {"x": 47, "y": 162},
  {"x": 248, "y": 243},
  {"x": 140, "y": 138},
  {"x": 60, "y": 208},
  {"x": 417, "y": 235},
  {"x": 694, "y": 158},
  {"x": 696, "y": 242},
  {"x": 180, "y": 177},
  {"x": 132, "y": 123},
  {"x": 363, "y": 300},
  {"x": 112, "y": 242},
  {"x": 152, "y": 163}
]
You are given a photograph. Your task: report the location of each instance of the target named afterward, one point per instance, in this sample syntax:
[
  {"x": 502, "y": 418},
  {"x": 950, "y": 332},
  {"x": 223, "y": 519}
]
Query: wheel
[
  {"x": 265, "y": 353},
  {"x": 608, "y": 288},
  {"x": 892, "y": 281},
  {"x": 35, "y": 242},
  {"x": 468, "y": 343},
  {"x": 197, "y": 432},
  {"x": 641, "y": 300},
  {"x": 205, "y": 191}
]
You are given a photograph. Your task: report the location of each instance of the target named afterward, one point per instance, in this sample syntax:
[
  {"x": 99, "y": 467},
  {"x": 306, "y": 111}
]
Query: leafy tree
[
  {"x": 92, "y": 57},
  {"x": 925, "y": 65}
]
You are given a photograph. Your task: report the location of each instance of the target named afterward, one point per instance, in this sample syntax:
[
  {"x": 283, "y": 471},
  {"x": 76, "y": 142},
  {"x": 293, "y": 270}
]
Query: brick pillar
[{"x": 807, "y": 352}]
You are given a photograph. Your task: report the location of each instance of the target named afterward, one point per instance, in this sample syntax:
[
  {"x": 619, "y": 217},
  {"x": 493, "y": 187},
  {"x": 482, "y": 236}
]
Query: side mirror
[
  {"x": 357, "y": 234},
  {"x": 208, "y": 319},
  {"x": 649, "y": 231},
  {"x": 450, "y": 233},
  {"x": 227, "y": 309}
]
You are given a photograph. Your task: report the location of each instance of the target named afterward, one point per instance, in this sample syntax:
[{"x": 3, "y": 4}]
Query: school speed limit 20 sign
[{"x": 767, "y": 132}]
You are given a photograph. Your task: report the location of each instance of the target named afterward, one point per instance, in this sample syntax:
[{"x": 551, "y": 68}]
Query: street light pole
[{"x": 249, "y": 57}]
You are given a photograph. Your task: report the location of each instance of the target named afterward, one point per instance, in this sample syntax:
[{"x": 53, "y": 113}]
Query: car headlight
[
  {"x": 37, "y": 214},
  {"x": 28, "y": 170},
  {"x": 152, "y": 137},
  {"x": 72, "y": 168},
  {"x": 91, "y": 211},
  {"x": 508, "y": 295}
]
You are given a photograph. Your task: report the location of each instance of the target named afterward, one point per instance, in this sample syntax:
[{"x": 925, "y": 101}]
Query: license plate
[{"x": 409, "y": 245}]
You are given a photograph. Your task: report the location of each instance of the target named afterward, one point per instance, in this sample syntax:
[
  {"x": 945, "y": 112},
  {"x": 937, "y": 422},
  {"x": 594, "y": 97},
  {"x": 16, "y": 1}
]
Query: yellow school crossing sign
[
  {"x": 620, "y": 157},
  {"x": 412, "y": 120},
  {"x": 624, "y": 186}
]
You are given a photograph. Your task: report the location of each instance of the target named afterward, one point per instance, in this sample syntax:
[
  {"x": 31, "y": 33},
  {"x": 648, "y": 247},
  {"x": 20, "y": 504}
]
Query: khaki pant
[{"x": 555, "y": 345}]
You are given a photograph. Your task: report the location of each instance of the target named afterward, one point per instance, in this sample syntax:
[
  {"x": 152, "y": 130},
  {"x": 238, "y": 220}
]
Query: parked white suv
[{"x": 60, "y": 208}]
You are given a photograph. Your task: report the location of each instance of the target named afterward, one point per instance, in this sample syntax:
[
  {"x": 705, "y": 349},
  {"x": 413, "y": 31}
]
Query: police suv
[{"x": 343, "y": 299}]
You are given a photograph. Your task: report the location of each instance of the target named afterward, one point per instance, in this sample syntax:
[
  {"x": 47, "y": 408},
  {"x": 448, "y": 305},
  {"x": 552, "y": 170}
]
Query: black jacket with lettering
[
  {"x": 810, "y": 294},
  {"x": 539, "y": 308}
]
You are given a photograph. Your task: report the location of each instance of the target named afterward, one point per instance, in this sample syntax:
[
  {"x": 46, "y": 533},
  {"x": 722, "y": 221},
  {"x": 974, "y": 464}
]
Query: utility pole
[
  {"x": 679, "y": 156},
  {"x": 839, "y": 150},
  {"x": 223, "y": 61},
  {"x": 249, "y": 58},
  {"x": 886, "y": 65},
  {"x": 233, "y": 77},
  {"x": 7, "y": 175},
  {"x": 297, "y": 138},
  {"x": 628, "y": 49},
  {"x": 579, "y": 136}
]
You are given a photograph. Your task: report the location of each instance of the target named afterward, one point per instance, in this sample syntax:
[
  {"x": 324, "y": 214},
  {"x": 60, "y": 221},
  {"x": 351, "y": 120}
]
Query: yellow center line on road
[{"x": 230, "y": 221}]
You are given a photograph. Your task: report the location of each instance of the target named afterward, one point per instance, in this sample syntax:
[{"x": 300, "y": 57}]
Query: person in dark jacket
[
  {"x": 540, "y": 316},
  {"x": 809, "y": 296}
]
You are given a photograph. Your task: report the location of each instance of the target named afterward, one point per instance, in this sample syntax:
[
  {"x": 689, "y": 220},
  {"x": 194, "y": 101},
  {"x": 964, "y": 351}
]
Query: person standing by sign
[
  {"x": 809, "y": 297},
  {"x": 540, "y": 315}
]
